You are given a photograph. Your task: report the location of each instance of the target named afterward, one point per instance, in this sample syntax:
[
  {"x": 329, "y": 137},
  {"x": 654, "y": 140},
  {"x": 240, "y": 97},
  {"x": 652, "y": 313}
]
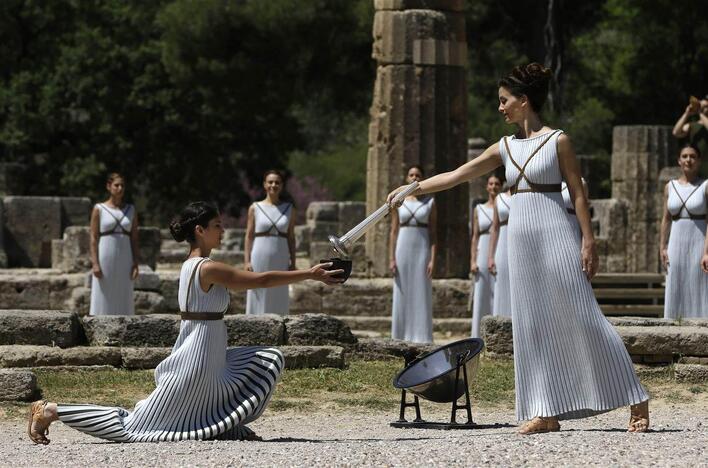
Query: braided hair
[
  {"x": 193, "y": 215},
  {"x": 531, "y": 80}
]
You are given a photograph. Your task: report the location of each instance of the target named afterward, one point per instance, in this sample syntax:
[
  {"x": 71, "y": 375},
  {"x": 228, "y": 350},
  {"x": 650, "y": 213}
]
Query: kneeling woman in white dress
[
  {"x": 684, "y": 240},
  {"x": 114, "y": 252},
  {"x": 412, "y": 250},
  {"x": 569, "y": 361},
  {"x": 203, "y": 390},
  {"x": 483, "y": 215},
  {"x": 270, "y": 245}
]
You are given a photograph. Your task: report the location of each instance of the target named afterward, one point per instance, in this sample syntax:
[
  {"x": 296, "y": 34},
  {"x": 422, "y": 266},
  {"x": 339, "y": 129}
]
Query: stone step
[
  {"x": 629, "y": 278},
  {"x": 636, "y": 310},
  {"x": 658, "y": 338},
  {"x": 26, "y": 356},
  {"x": 628, "y": 294},
  {"x": 455, "y": 326}
]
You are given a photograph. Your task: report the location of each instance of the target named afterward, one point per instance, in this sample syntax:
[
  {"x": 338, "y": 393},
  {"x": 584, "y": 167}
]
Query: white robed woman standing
[
  {"x": 114, "y": 252},
  {"x": 412, "y": 262},
  {"x": 684, "y": 240},
  {"x": 483, "y": 285},
  {"x": 203, "y": 390},
  {"x": 270, "y": 245},
  {"x": 569, "y": 361},
  {"x": 498, "y": 264}
]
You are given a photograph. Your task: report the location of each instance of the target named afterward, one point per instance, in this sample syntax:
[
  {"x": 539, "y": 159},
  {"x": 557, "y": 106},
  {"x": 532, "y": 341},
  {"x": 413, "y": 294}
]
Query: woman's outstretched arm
[{"x": 239, "y": 280}]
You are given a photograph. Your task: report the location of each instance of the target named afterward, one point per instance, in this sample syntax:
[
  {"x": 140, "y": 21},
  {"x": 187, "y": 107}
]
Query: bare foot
[{"x": 639, "y": 417}]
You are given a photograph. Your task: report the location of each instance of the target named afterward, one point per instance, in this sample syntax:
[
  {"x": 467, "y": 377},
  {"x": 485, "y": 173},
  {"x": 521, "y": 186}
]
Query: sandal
[
  {"x": 539, "y": 425},
  {"x": 639, "y": 417},
  {"x": 37, "y": 426}
]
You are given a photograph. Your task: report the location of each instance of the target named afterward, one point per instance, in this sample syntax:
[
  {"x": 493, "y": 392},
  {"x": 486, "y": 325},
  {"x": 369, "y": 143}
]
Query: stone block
[
  {"x": 693, "y": 360},
  {"x": 24, "y": 292},
  {"x": 237, "y": 305},
  {"x": 169, "y": 287},
  {"x": 30, "y": 225},
  {"x": 75, "y": 211},
  {"x": 451, "y": 5},
  {"x": 251, "y": 330},
  {"x": 350, "y": 214},
  {"x": 39, "y": 327},
  {"x": 693, "y": 373},
  {"x": 370, "y": 297},
  {"x": 29, "y": 356},
  {"x": 139, "y": 330},
  {"x": 76, "y": 250},
  {"x": 317, "y": 329},
  {"x": 375, "y": 349},
  {"x": 149, "y": 302},
  {"x": 497, "y": 335},
  {"x": 688, "y": 341},
  {"x": 57, "y": 253},
  {"x": 313, "y": 357},
  {"x": 150, "y": 241},
  {"x": 302, "y": 238},
  {"x": 143, "y": 358},
  {"x": 91, "y": 356},
  {"x": 321, "y": 230},
  {"x": 322, "y": 211},
  {"x": 450, "y": 298},
  {"x": 306, "y": 298},
  {"x": 230, "y": 257},
  {"x": 80, "y": 301},
  {"x": 148, "y": 279},
  {"x": 17, "y": 385},
  {"x": 233, "y": 239}
]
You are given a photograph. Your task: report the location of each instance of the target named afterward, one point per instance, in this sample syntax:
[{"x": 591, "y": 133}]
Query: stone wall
[{"x": 419, "y": 116}]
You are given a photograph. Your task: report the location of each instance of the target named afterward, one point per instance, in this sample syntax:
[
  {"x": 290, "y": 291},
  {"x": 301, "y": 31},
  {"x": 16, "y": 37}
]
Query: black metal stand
[{"x": 420, "y": 423}]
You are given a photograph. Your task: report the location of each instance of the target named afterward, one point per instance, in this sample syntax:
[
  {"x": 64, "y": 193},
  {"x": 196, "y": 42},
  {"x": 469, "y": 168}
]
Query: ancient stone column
[
  {"x": 639, "y": 153},
  {"x": 419, "y": 116}
]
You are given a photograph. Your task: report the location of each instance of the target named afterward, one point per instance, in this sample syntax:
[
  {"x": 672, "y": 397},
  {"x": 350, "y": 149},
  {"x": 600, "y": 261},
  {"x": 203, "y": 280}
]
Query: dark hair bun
[
  {"x": 530, "y": 80},
  {"x": 177, "y": 230}
]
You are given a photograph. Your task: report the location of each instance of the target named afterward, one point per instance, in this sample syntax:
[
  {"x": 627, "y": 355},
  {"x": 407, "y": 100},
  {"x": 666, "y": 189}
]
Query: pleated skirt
[
  {"x": 483, "y": 296},
  {"x": 686, "y": 294},
  {"x": 113, "y": 294},
  {"x": 502, "y": 294},
  {"x": 412, "y": 316},
  {"x": 569, "y": 361},
  {"x": 203, "y": 391},
  {"x": 268, "y": 254}
]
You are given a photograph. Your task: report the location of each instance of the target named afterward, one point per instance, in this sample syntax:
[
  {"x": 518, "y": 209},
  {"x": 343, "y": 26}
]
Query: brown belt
[
  {"x": 268, "y": 234},
  {"x": 422, "y": 225},
  {"x": 544, "y": 188},
  {"x": 202, "y": 315},
  {"x": 693, "y": 216},
  {"x": 503, "y": 223}
]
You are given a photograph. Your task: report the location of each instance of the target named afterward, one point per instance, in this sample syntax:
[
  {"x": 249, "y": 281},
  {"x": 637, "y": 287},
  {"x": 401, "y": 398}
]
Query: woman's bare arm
[
  {"x": 239, "y": 280},
  {"x": 248, "y": 241},
  {"x": 392, "y": 240},
  {"x": 665, "y": 231},
  {"x": 493, "y": 238},
  {"x": 474, "y": 268}
]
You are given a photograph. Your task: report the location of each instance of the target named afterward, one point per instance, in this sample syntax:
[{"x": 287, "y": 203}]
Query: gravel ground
[{"x": 679, "y": 438}]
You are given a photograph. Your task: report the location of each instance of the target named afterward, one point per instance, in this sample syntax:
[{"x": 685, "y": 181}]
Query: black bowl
[
  {"x": 432, "y": 376},
  {"x": 339, "y": 264}
]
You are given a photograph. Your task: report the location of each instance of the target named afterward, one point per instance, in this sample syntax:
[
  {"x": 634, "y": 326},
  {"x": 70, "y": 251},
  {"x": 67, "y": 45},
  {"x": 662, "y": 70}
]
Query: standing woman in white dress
[
  {"x": 499, "y": 255},
  {"x": 412, "y": 262},
  {"x": 203, "y": 390},
  {"x": 114, "y": 252},
  {"x": 684, "y": 240},
  {"x": 483, "y": 285},
  {"x": 569, "y": 361},
  {"x": 570, "y": 206},
  {"x": 270, "y": 245}
]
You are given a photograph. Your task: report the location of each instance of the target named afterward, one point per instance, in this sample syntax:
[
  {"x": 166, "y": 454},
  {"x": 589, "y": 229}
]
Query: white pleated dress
[
  {"x": 502, "y": 294},
  {"x": 204, "y": 390},
  {"x": 483, "y": 298},
  {"x": 113, "y": 294},
  {"x": 270, "y": 252},
  {"x": 569, "y": 361},
  {"x": 570, "y": 208},
  {"x": 686, "y": 292},
  {"x": 412, "y": 289}
]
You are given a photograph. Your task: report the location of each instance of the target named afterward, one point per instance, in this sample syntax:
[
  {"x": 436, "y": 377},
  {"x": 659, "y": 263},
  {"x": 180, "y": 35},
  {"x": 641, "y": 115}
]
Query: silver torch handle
[{"x": 344, "y": 243}]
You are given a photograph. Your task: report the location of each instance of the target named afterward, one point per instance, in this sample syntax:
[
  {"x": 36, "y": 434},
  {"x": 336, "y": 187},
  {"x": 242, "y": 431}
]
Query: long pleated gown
[
  {"x": 113, "y": 294},
  {"x": 483, "y": 298},
  {"x": 569, "y": 361},
  {"x": 686, "y": 292},
  {"x": 412, "y": 318},
  {"x": 502, "y": 294},
  {"x": 270, "y": 252},
  {"x": 203, "y": 390}
]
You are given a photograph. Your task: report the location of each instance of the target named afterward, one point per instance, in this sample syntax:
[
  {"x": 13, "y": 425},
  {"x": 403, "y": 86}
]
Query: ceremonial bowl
[
  {"x": 339, "y": 264},
  {"x": 433, "y": 375}
]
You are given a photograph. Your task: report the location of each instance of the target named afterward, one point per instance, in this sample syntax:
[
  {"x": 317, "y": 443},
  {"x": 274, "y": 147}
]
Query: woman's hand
[
  {"x": 392, "y": 195},
  {"x": 97, "y": 271},
  {"x": 474, "y": 269},
  {"x": 589, "y": 258},
  {"x": 664, "y": 254},
  {"x": 392, "y": 267},
  {"x": 248, "y": 266},
  {"x": 319, "y": 272},
  {"x": 704, "y": 263},
  {"x": 492, "y": 266},
  {"x": 134, "y": 272},
  {"x": 430, "y": 269}
]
